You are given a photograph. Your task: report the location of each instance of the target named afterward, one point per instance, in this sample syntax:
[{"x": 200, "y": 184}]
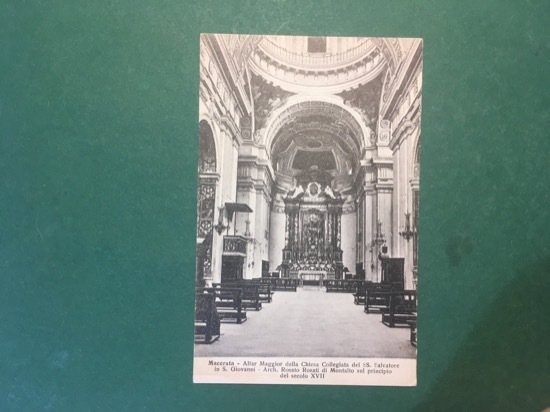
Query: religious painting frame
[{"x": 307, "y": 210}]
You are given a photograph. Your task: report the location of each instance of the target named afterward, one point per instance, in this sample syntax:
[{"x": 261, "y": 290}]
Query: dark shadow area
[{"x": 504, "y": 365}]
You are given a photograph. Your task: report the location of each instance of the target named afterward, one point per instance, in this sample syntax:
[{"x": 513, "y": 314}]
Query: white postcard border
[{"x": 305, "y": 371}]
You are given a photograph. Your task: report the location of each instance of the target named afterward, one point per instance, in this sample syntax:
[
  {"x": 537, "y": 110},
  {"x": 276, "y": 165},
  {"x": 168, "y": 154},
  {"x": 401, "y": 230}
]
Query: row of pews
[
  {"x": 230, "y": 301},
  {"x": 342, "y": 285},
  {"x": 398, "y": 307}
]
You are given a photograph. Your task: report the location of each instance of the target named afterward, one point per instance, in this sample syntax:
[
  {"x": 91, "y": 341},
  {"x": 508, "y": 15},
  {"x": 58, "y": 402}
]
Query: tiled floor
[{"x": 311, "y": 323}]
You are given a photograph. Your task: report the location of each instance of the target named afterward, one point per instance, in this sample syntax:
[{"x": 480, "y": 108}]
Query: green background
[{"x": 98, "y": 123}]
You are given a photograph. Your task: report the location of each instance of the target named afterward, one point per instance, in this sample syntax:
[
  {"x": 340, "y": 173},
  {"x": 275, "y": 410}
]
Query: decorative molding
[
  {"x": 349, "y": 208},
  {"x": 278, "y": 209},
  {"x": 246, "y": 127},
  {"x": 337, "y": 113},
  {"x": 329, "y": 80},
  {"x": 384, "y": 130},
  {"x": 231, "y": 74},
  {"x": 408, "y": 124},
  {"x": 415, "y": 181},
  {"x": 400, "y": 79},
  {"x": 387, "y": 49},
  {"x": 228, "y": 125},
  {"x": 209, "y": 178},
  {"x": 403, "y": 130},
  {"x": 365, "y": 99},
  {"x": 384, "y": 187},
  {"x": 267, "y": 98}
]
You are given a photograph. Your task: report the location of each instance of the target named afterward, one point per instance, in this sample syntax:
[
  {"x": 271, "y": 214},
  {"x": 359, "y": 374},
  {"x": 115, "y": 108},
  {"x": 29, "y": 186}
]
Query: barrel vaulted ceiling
[{"x": 314, "y": 133}]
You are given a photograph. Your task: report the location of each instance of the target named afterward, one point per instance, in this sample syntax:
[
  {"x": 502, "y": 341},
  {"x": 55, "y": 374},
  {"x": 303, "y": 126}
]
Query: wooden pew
[
  {"x": 250, "y": 295},
  {"x": 228, "y": 303},
  {"x": 282, "y": 284},
  {"x": 264, "y": 289},
  {"x": 207, "y": 322},
  {"x": 377, "y": 297},
  {"x": 341, "y": 285},
  {"x": 360, "y": 293},
  {"x": 402, "y": 308},
  {"x": 286, "y": 285},
  {"x": 412, "y": 325}
]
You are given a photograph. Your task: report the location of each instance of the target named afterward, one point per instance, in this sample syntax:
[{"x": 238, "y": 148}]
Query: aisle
[{"x": 311, "y": 322}]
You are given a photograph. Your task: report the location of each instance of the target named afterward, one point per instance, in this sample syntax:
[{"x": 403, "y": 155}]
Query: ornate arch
[
  {"x": 206, "y": 199},
  {"x": 207, "y": 180},
  {"x": 331, "y": 106},
  {"x": 208, "y": 145}
]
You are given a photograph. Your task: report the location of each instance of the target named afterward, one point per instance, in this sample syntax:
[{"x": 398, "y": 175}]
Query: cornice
[
  {"x": 219, "y": 54},
  {"x": 407, "y": 125},
  {"x": 227, "y": 123},
  {"x": 315, "y": 87},
  {"x": 403, "y": 130},
  {"x": 401, "y": 82}
]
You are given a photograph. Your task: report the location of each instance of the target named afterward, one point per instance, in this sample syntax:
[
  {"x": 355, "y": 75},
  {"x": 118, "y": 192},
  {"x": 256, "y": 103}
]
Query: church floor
[{"x": 310, "y": 323}]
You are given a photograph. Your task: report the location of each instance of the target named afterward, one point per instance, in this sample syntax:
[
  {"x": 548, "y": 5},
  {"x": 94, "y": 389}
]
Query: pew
[
  {"x": 286, "y": 285},
  {"x": 264, "y": 289},
  {"x": 207, "y": 322},
  {"x": 401, "y": 309},
  {"x": 377, "y": 297},
  {"x": 228, "y": 303},
  {"x": 360, "y": 293},
  {"x": 250, "y": 295},
  {"x": 342, "y": 285},
  {"x": 412, "y": 325},
  {"x": 282, "y": 284}
]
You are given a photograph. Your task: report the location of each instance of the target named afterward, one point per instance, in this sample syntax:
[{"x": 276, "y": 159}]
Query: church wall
[
  {"x": 372, "y": 217},
  {"x": 228, "y": 183},
  {"x": 260, "y": 246},
  {"x": 219, "y": 107},
  {"x": 225, "y": 193},
  {"x": 404, "y": 158},
  {"x": 349, "y": 234},
  {"x": 253, "y": 189},
  {"x": 276, "y": 239},
  {"x": 406, "y": 130},
  {"x": 370, "y": 259},
  {"x": 247, "y": 196},
  {"x": 385, "y": 207}
]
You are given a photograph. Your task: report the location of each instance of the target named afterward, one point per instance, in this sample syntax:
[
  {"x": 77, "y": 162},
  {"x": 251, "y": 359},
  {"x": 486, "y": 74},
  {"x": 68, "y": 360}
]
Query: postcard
[{"x": 307, "y": 211}]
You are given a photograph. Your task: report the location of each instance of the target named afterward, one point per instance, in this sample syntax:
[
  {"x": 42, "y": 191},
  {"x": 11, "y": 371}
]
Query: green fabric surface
[{"x": 98, "y": 129}]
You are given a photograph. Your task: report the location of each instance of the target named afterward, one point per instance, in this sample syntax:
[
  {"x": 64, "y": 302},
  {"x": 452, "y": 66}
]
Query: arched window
[
  {"x": 206, "y": 200},
  {"x": 207, "y": 149},
  {"x": 316, "y": 44},
  {"x": 207, "y": 182}
]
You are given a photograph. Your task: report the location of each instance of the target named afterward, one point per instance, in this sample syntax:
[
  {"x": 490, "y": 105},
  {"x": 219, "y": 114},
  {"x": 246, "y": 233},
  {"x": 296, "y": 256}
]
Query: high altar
[{"x": 313, "y": 211}]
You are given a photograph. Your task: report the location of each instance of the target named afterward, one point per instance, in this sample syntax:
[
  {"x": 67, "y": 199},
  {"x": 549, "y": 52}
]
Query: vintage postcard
[{"x": 307, "y": 220}]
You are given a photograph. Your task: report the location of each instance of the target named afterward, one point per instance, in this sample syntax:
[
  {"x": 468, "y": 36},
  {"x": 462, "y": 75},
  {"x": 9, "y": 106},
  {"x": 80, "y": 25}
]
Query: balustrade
[{"x": 317, "y": 59}]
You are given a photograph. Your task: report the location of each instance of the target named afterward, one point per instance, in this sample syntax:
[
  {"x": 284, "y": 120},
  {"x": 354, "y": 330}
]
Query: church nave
[{"x": 310, "y": 323}]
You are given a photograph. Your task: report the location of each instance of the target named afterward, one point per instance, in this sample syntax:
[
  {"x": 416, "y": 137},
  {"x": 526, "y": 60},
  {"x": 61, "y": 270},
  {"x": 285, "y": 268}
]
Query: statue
[
  {"x": 329, "y": 192},
  {"x": 297, "y": 191}
]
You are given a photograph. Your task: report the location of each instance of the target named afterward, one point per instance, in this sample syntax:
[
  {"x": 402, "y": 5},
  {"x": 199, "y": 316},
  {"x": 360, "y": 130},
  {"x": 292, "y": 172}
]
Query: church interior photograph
[{"x": 308, "y": 196}]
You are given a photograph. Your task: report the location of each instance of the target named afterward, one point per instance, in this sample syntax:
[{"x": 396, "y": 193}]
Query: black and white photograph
[{"x": 307, "y": 210}]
